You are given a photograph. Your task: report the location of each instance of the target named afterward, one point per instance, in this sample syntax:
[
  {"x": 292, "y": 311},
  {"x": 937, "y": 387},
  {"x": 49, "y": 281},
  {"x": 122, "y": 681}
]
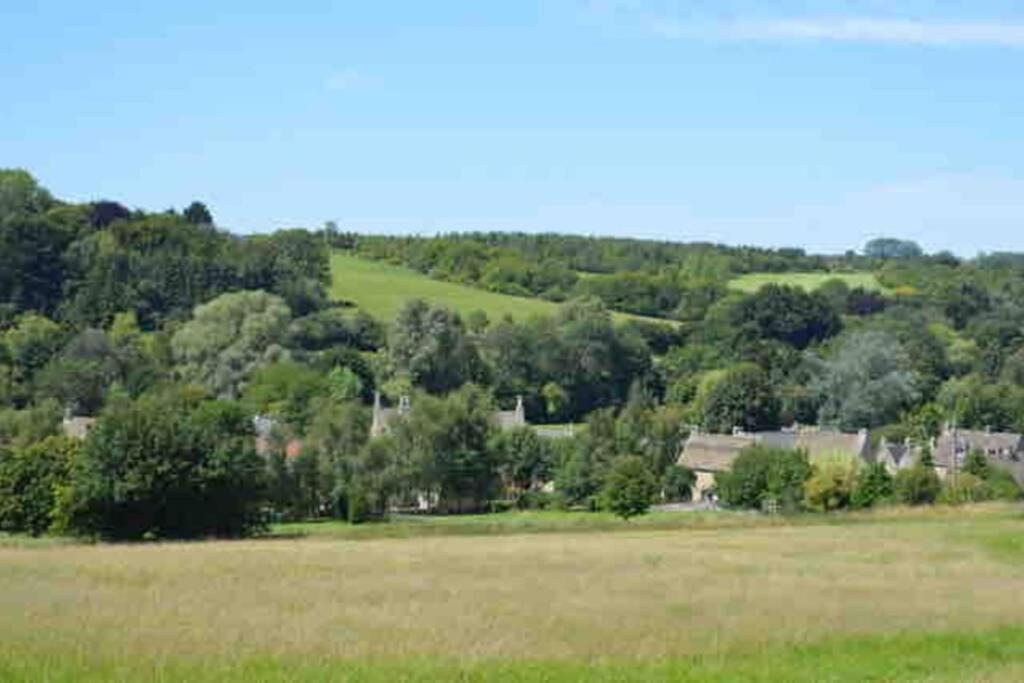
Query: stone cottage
[{"x": 708, "y": 455}]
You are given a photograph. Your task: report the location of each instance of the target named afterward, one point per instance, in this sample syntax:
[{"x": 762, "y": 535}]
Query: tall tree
[
  {"x": 866, "y": 384},
  {"x": 230, "y": 338},
  {"x": 429, "y": 344}
]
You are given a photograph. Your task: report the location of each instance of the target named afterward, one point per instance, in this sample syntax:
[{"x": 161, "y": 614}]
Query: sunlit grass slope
[
  {"x": 381, "y": 289},
  {"x": 751, "y": 282},
  {"x": 930, "y": 595}
]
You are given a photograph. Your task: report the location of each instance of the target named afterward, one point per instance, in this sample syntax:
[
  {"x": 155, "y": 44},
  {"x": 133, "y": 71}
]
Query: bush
[
  {"x": 760, "y": 474},
  {"x": 832, "y": 484},
  {"x": 1002, "y": 485},
  {"x": 917, "y": 485},
  {"x": 536, "y": 500},
  {"x": 629, "y": 488},
  {"x": 999, "y": 484},
  {"x": 30, "y": 479},
  {"x": 169, "y": 465},
  {"x": 977, "y": 464},
  {"x": 678, "y": 482},
  {"x": 965, "y": 488},
  {"x": 873, "y": 486}
]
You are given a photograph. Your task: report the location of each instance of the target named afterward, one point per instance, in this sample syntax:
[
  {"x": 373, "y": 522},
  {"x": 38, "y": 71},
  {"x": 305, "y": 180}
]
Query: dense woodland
[{"x": 176, "y": 334}]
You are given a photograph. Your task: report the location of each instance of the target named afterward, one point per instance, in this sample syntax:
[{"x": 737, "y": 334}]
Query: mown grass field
[
  {"x": 751, "y": 282},
  {"x": 382, "y": 289},
  {"x": 931, "y": 595}
]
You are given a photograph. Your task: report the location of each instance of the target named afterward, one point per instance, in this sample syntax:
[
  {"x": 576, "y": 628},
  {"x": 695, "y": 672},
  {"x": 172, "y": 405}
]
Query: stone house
[
  {"x": 708, "y": 455},
  {"x": 383, "y": 417},
  {"x": 1004, "y": 450}
]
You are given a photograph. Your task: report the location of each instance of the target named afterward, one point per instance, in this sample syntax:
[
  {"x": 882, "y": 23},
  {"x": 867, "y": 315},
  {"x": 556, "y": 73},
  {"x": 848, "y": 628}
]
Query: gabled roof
[
  {"x": 1003, "y": 445},
  {"x": 824, "y": 442},
  {"x": 897, "y": 454},
  {"x": 713, "y": 452}
]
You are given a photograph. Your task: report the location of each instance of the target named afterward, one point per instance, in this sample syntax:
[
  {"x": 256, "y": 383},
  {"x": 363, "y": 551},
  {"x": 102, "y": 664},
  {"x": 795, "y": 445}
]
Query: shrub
[
  {"x": 536, "y": 500},
  {"x": 999, "y": 484},
  {"x": 917, "y": 485},
  {"x": 678, "y": 482},
  {"x": 629, "y": 487},
  {"x": 873, "y": 486},
  {"x": 1002, "y": 485},
  {"x": 30, "y": 479},
  {"x": 965, "y": 488},
  {"x": 977, "y": 464},
  {"x": 760, "y": 474},
  {"x": 832, "y": 483}
]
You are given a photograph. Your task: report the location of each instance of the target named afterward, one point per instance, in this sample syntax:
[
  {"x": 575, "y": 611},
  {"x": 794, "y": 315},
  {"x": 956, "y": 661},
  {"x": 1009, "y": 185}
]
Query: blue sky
[{"x": 815, "y": 124}]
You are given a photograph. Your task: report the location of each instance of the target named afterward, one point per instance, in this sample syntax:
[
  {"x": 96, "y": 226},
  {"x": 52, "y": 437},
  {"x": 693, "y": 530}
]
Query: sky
[{"x": 818, "y": 124}]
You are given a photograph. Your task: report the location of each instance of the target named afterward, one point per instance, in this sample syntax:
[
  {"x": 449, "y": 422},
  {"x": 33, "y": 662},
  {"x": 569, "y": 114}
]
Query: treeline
[
  {"x": 658, "y": 279},
  {"x": 174, "y": 335}
]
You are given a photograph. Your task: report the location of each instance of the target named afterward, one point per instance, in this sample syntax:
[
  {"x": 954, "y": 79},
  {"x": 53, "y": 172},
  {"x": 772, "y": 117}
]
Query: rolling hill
[{"x": 381, "y": 289}]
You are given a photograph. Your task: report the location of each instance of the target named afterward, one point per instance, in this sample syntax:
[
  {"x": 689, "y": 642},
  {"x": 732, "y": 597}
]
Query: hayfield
[
  {"x": 382, "y": 289},
  {"x": 751, "y": 282},
  {"x": 923, "y": 595}
]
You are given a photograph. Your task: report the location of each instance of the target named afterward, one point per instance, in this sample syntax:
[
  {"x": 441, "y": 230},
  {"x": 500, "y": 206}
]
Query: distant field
[
  {"x": 381, "y": 289},
  {"x": 925, "y": 595},
  {"x": 751, "y": 282}
]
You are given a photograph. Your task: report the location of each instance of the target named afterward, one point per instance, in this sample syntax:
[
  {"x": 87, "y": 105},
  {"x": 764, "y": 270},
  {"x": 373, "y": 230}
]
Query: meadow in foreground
[{"x": 928, "y": 595}]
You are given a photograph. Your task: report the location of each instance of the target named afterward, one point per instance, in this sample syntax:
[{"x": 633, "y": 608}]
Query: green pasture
[
  {"x": 382, "y": 289},
  {"x": 751, "y": 282}
]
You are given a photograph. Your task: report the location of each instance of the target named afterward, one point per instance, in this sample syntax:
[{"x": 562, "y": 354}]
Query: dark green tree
[
  {"x": 430, "y": 345},
  {"x": 761, "y": 474},
  {"x": 743, "y": 397},
  {"x": 170, "y": 465},
  {"x": 196, "y": 213},
  {"x": 629, "y": 487},
  {"x": 31, "y": 479}
]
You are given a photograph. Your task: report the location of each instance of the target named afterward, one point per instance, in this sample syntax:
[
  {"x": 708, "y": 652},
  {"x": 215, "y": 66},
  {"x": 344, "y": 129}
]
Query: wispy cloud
[
  {"x": 851, "y": 30},
  {"x": 346, "y": 79},
  {"x": 923, "y": 23}
]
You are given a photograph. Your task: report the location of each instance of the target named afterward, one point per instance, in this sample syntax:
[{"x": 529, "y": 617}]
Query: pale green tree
[{"x": 229, "y": 338}]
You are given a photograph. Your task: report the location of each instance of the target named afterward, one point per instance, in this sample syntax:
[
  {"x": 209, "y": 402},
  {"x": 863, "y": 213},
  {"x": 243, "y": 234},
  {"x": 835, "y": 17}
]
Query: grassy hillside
[
  {"x": 751, "y": 282},
  {"x": 904, "y": 596},
  {"x": 381, "y": 289}
]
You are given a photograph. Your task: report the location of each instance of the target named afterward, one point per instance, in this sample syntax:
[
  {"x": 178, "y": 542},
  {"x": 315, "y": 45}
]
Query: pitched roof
[
  {"x": 1006, "y": 444},
  {"x": 823, "y": 442},
  {"x": 896, "y": 454},
  {"x": 713, "y": 452}
]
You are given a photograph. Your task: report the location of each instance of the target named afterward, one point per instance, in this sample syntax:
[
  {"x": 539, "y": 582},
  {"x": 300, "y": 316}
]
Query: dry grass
[{"x": 649, "y": 594}]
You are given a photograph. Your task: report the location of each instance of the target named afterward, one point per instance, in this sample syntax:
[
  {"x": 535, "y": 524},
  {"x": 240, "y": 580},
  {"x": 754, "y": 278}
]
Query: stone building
[
  {"x": 383, "y": 417},
  {"x": 1004, "y": 450},
  {"x": 708, "y": 455}
]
